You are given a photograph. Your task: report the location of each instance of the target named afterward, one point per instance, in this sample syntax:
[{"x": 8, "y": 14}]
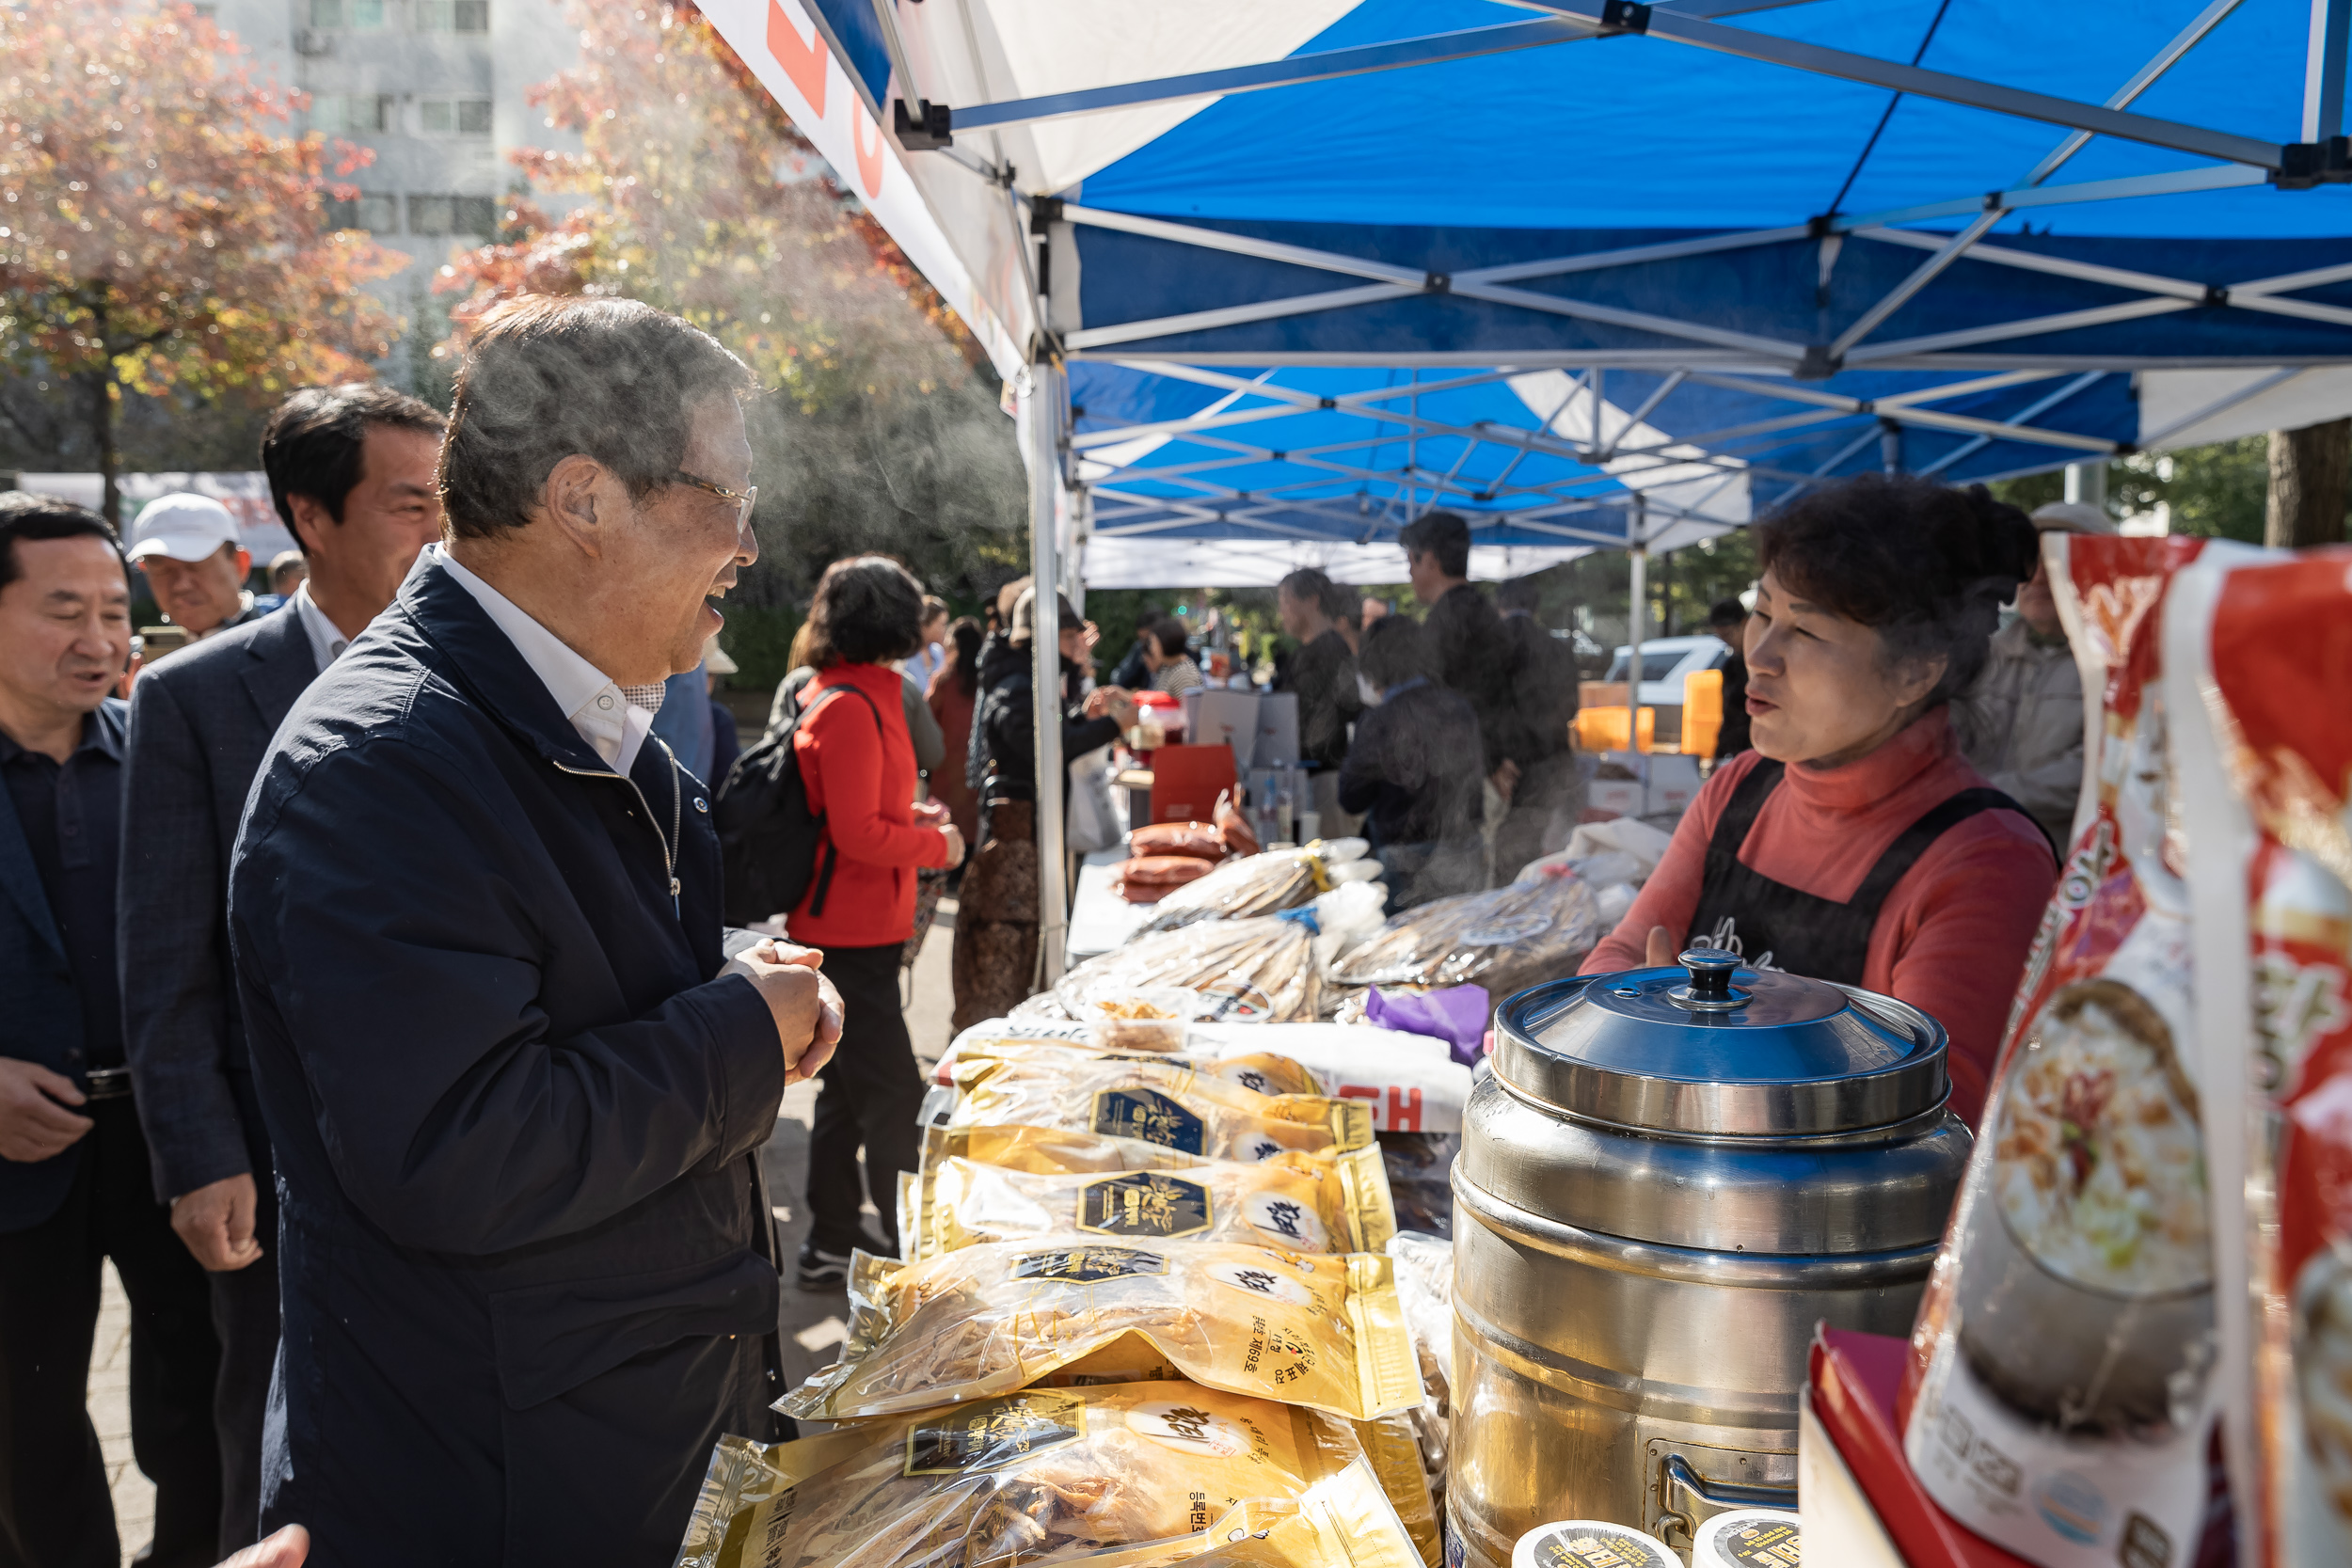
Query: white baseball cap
[
  {"x": 183, "y": 527},
  {"x": 2071, "y": 517}
]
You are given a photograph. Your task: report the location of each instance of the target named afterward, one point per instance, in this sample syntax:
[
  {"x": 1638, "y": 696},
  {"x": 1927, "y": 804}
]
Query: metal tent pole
[
  {"x": 1637, "y": 557},
  {"x": 1041, "y": 420}
]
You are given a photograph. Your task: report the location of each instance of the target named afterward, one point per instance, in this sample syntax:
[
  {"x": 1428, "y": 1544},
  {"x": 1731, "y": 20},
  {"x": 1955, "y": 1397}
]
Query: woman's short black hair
[
  {"x": 1396, "y": 648},
  {"x": 1172, "y": 638},
  {"x": 868, "y": 610},
  {"x": 1928, "y": 566}
]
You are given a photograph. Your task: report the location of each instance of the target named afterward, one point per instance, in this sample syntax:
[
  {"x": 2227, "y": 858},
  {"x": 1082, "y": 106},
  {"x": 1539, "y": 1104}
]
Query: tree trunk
[
  {"x": 103, "y": 427},
  {"x": 2311, "y": 471}
]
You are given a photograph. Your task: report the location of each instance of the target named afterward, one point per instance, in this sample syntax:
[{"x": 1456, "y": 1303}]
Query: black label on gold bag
[
  {"x": 1147, "y": 1114},
  {"x": 1143, "y": 1203},
  {"x": 993, "y": 1436},
  {"x": 1086, "y": 1266}
]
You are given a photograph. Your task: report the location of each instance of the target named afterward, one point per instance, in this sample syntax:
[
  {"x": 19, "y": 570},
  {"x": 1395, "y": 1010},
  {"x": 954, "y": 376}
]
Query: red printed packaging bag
[
  {"x": 2059, "y": 1399},
  {"x": 2263, "y": 652}
]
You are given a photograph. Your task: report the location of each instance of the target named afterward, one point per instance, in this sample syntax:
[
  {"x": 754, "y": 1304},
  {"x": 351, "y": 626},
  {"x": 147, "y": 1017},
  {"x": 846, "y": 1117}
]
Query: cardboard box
[
  {"x": 1224, "y": 718},
  {"x": 1673, "y": 783},
  {"x": 1616, "y": 797}
]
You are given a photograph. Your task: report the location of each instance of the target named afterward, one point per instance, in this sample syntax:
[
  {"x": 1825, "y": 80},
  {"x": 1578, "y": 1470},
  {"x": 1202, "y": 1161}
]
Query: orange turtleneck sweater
[{"x": 1951, "y": 939}]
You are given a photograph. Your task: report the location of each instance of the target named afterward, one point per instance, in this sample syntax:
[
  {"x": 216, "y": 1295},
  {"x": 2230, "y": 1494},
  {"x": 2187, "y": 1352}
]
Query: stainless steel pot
[{"x": 1671, "y": 1176}]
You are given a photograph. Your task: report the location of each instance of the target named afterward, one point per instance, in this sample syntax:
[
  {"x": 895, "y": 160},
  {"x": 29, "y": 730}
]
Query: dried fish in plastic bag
[
  {"x": 1505, "y": 939},
  {"x": 1157, "y": 1101},
  {"x": 1345, "y": 1522},
  {"x": 1321, "y": 1331},
  {"x": 1258, "y": 969},
  {"x": 1326, "y": 1203},
  {"x": 1261, "y": 884},
  {"x": 1041, "y": 1475}
]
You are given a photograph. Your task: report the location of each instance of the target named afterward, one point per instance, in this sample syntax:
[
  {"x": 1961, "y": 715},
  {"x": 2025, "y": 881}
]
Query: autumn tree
[
  {"x": 695, "y": 194},
  {"x": 158, "y": 233}
]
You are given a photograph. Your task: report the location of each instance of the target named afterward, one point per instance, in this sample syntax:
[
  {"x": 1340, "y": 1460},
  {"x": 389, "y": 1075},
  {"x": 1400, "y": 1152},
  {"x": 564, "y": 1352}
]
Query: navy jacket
[
  {"x": 527, "y": 1266},
  {"x": 40, "y": 1013},
  {"x": 200, "y": 727}
]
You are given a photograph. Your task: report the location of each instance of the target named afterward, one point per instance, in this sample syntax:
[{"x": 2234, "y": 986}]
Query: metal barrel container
[{"x": 1669, "y": 1178}]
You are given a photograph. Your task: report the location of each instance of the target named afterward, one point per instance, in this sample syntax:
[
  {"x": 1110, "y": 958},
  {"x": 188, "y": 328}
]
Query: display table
[{"x": 1100, "y": 919}]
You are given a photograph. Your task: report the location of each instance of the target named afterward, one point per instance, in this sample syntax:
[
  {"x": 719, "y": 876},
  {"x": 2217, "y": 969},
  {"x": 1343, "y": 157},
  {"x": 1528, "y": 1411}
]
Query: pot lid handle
[{"x": 1709, "y": 990}]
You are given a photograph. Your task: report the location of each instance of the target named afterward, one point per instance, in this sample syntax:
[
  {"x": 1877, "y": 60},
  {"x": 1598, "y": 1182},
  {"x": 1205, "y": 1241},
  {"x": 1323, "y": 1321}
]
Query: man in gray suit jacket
[{"x": 351, "y": 470}]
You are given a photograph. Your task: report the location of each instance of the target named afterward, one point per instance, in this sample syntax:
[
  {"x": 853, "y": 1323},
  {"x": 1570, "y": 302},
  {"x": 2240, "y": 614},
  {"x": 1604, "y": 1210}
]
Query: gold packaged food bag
[
  {"x": 1341, "y": 1523},
  {"x": 1260, "y": 1071},
  {"x": 1324, "y": 1331},
  {"x": 1041, "y": 1475},
  {"x": 1305, "y": 1202},
  {"x": 1176, "y": 1108}
]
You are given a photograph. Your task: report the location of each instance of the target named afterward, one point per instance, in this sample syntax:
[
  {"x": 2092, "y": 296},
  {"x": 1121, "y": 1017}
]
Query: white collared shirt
[
  {"x": 327, "y": 642},
  {"x": 606, "y": 717}
]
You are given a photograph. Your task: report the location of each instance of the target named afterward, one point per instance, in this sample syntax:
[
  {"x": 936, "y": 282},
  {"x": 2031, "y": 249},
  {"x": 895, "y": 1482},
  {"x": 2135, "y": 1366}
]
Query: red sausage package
[
  {"x": 2259, "y": 657},
  {"x": 2061, "y": 1398}
]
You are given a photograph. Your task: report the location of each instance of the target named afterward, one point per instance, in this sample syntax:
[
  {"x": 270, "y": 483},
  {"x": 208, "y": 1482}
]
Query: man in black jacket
[
  {"x": 351, "y": 471},
  {"x": 73, "y": 1166},
  {"x": 514, "y": 1086},
  {"x": 1413, "y": 772},
  {"x": 1465, "y": 633}
]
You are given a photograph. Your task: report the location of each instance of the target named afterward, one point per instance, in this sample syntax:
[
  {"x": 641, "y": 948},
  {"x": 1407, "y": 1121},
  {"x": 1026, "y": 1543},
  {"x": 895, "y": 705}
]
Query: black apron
[{"x": 1747, "y": 913}]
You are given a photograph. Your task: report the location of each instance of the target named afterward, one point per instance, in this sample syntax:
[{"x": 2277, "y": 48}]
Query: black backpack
[{"x": 768, "y": 837}]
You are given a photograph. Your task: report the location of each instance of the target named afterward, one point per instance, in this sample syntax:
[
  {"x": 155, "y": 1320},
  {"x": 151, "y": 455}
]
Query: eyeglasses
[{"x": 744, "y": 500}]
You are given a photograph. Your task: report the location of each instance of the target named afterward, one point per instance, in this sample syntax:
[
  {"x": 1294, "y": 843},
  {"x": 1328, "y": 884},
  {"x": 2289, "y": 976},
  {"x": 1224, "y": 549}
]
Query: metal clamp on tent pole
[
  {"x": 2305, "y": 163},
  {"x": 928, "y": 130},
  {"x": 1623, "y": 16}
]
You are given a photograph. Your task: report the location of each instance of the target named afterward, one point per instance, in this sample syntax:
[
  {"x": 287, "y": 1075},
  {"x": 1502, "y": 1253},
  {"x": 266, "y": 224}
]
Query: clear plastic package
[
  {"x": 982, "y": 1321},
  {"x": 1243, "y": 971}
]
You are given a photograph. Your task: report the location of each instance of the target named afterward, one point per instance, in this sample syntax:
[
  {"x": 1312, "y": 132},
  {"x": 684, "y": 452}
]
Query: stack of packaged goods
[
  {"x": 2137, "y": 1343},
  {"x": 1144, "y": 1318}
]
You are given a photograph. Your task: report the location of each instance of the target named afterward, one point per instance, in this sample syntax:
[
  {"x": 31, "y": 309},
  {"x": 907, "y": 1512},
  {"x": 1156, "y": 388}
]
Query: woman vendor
[{"x": 1855, "y": 844}]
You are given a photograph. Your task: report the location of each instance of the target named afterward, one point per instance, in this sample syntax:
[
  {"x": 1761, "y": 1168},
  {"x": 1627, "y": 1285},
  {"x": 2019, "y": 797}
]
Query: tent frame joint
[
  {"x": 2305, "y": 163},
  {"x": 1819, "y": 363},
  {"x": 929, "y": 129},
  {"x": 1623, "y": 16}
]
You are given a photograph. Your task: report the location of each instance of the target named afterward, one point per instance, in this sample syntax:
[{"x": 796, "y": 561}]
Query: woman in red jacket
[
  {"x": 1855, "y": 844},
  {"x": 858, "y": 766}
]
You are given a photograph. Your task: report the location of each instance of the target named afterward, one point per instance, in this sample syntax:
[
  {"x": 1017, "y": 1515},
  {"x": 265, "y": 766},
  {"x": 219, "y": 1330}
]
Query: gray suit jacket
[{"x": 201, "y": 722}]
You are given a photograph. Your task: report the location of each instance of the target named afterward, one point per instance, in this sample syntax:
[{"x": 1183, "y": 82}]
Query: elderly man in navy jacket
[
  {"x": 515, "y": 1088},
  {"x": 73, "y": 1182}
]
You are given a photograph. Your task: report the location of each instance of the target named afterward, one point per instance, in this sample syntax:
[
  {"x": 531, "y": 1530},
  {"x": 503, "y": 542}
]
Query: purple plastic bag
[{"x": 1456, "y": 1014}]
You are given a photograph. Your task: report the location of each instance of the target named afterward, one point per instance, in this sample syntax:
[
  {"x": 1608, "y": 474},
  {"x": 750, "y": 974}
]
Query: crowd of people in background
[{"x": 133, "y": 1121}]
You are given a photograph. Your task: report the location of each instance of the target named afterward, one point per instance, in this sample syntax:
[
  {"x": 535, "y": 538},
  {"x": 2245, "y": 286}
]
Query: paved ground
[{"x": 813, "y": 1322}]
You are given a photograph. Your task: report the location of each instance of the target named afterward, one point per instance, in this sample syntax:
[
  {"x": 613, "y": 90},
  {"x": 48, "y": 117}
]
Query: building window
[
  {"x": 348, "y": 16},
  {"x": 454, "y": 116},
  {"x": 453, "y": 214},
  {"x": 377, "y": 214},
  {"x": 452, "y": 16},
  {"x": 351, "y": 114}
]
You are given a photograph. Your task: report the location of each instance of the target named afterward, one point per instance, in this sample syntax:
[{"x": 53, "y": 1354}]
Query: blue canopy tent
[{"x": 1271, "y": 280}]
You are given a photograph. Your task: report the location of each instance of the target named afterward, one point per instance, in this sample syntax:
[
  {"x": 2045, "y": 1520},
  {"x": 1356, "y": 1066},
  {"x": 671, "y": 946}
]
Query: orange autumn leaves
[
  {"x": 700, "y": 198},
  {"x": 160, "y": 228}
]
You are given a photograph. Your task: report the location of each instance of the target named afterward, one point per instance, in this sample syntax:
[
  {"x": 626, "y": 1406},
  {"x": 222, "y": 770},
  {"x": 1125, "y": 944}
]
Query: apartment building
[{"x": 435, "y": 89}]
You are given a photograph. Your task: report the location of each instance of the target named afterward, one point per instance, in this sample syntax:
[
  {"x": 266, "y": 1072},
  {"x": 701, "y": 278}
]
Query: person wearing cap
[
  {"x": 188, "y": 545},
  {"x": 2021, "y": 725},
  {"x": 74, "y": 1180},
  {"x": 996, "y": 918},
  {"x": 351, "y": 474}
]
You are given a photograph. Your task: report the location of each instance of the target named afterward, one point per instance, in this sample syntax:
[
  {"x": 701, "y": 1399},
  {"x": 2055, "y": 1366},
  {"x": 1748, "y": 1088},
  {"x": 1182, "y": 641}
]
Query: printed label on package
[
  {"x": 1144, "y": 1203},
  {"x": 991, "y": 1435},
  {"x": 1147, "y": 1114}
]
